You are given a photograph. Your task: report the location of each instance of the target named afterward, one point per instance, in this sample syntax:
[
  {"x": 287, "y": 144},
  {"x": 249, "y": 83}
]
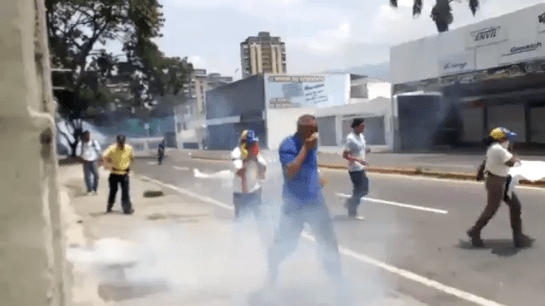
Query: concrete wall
[
  {"x": 236, "y": 99},
  {"x": 377, "y": 108},
  {"x": 33, "y": 270},
  {"x": 469, "y": 48},
  {"x": 379, "y": 90}
]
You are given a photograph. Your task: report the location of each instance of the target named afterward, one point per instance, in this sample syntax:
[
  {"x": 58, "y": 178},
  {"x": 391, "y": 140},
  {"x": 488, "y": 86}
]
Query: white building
[
  {"x": 190, "y": 116},
  {"x": 271, "y": 104},
  {"x": 492, "y": 73},
  {"x": 369, "y": 99}
]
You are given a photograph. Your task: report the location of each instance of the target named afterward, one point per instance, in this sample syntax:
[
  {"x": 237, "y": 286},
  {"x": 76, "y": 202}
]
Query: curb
[{"x": 404, "y": 171}]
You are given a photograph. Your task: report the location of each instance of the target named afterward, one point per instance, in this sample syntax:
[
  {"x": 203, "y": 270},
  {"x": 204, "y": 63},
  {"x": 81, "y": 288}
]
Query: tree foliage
[
  {"x": 441, "y": 12},
  {"x": 77, "y": 29}
]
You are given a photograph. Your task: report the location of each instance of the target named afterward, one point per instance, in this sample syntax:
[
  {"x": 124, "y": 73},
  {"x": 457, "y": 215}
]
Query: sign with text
[
  {"x": 486, "y": 36},
  {"x": 457, "y": 63},
  {"x": 521, "y": 51},
  {"x": 287, "y": 91}
]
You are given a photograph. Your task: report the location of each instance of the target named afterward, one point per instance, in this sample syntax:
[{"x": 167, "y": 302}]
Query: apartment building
[{"x": 263, "y": 54}]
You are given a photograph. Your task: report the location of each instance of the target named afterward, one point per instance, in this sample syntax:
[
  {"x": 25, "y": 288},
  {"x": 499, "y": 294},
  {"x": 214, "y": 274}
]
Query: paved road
[{"x": 426, "y": 240}]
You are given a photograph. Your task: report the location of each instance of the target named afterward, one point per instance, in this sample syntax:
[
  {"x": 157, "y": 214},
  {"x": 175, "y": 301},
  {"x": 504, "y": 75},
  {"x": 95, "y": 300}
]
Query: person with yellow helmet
[
  {"x": 249, "y": 167},
  {"x": 497, "y": 165}
]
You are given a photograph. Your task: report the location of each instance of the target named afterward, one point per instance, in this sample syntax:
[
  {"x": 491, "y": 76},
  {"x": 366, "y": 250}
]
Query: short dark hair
[
  {"x": 121, "y": 138},
  {"x": 356, "y": 122},
  {"x": 86, "y": 132}
]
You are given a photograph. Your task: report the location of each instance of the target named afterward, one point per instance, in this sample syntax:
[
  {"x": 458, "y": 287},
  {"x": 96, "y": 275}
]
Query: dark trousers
[
  {"x": 289, "y": 230},
  {"x": 360, "y": 184},
  {"x": 115, "y": 180},
  {"x": 90, "y": 175},
  {"x": 247, "y": 204},
  {"x": 495, "y": 186}
]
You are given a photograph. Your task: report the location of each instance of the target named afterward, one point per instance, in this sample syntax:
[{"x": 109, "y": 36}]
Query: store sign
[
  {"x": 541, "y": 23},
  {"x": 517, "y": 52},
  {"x": 458, "y": 63},
  {"x": 486, "y": 36},
  {"x": 293, "y": 91}
]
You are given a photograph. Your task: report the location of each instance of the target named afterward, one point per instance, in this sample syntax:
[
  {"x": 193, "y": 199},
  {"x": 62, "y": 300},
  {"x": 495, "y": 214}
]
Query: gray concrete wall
[{"x": 32, "y": 266}]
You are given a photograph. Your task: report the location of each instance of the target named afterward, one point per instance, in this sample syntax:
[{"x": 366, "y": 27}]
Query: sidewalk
[
  {"x": 176, "y": 250},
  {"x": 442, "y": 165}
]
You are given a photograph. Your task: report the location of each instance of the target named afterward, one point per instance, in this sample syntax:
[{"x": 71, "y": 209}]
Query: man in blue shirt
[{"x": 303, "y": 201}]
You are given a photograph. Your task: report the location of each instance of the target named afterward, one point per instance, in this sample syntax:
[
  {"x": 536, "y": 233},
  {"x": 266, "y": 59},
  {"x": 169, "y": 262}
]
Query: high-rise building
[{"x": 263, "y": 54}]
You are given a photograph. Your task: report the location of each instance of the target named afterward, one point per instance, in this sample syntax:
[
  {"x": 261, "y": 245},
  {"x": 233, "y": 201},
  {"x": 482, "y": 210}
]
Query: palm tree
[{"x": 441, "y": 13}]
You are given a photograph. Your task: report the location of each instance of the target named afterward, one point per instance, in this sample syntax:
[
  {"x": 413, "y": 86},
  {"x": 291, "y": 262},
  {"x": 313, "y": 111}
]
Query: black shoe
[
  {"x": 108, "y": 210},
  {"x": 476, "y": 240},
  {"x": 521, "y": 241},
  {"x": 130, "y": 212}
]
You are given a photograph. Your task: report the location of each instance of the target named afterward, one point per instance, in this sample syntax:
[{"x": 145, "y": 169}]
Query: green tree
[
  {"x": 74, "y": 29},
  {"x": 441, "y": 12}
]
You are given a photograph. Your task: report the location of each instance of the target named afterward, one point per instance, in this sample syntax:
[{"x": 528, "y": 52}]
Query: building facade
[
  {"x": 263, "y": 54},
  {"x": 489, "y": 74},
  {"x": 190, "y": 116},
  {"x": 270, "y": 104}
]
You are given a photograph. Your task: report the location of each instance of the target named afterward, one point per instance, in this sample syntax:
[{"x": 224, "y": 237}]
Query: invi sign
[{"x": 486, "y": 36}]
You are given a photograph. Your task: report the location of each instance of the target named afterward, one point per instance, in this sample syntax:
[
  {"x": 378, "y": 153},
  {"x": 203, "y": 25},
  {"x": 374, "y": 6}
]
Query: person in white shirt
[
  {"x": 497, "y": 165},
  {"x": 249, "y": 167},
  {"x": 354, "y": 151},
  {"x": 88, "y": 152}
]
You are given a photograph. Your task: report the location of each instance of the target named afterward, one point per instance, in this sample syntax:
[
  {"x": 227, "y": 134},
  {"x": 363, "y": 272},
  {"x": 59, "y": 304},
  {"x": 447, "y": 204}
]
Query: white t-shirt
[
  {"x": 355, "y": 145},
  {"x": 251, "y": 175},
  {"x": 496, "y": 157},
  {"x": 89, "y": 151}
]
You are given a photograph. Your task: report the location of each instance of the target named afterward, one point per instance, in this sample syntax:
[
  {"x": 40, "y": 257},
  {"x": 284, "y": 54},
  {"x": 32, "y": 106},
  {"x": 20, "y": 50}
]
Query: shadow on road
[{"x": 500, "y": 247}]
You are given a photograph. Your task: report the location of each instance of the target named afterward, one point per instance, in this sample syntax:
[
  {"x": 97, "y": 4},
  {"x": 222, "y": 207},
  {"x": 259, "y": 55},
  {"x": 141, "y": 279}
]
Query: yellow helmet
[{"x": 502, "y": 133}]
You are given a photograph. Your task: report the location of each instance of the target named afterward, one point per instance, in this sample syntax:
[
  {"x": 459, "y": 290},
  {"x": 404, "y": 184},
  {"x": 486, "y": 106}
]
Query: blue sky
[{"x": 319, "y": 34}]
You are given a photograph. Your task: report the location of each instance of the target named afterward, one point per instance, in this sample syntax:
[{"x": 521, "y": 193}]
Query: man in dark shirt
[{"x": 303, "y": 202}]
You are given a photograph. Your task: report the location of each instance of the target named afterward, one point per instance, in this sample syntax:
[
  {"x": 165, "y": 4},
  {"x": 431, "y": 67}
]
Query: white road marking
[
  {"x": 180, "y": 168},
  {"x": 435, "y": 179},
  {"x": 360, "y": 257},
  {"x": 153, "y": 163},
  {"x": 439, "y": 211}
]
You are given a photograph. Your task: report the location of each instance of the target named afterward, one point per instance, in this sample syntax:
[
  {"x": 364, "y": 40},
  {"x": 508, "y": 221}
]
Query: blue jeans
[
  {"x": 289, "y": 230},
  {"x": 90, "y": 174},
  {"x": 360, "y": 183}
]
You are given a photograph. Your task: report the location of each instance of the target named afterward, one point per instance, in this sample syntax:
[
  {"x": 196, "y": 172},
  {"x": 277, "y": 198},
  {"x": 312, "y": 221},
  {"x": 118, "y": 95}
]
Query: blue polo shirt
[{"x": 304, "y": 188}]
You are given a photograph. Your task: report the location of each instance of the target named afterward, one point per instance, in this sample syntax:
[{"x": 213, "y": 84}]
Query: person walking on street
[
  {"x": 303, "y": 202},
  {"x": 119, "y": 156},
  {"x": 88, "y": 151},
  {"x": 249, "y": 167},
  {"x": 498, "y": 162},
  {"x": 354, "y": 151}
]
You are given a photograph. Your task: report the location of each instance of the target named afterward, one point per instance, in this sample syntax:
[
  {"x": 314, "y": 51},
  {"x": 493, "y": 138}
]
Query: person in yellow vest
[{"x": 118, "y": 157}]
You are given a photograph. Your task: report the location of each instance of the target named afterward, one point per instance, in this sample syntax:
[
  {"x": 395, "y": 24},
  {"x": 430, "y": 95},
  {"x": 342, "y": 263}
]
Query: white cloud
[
  {"x": 199, "y": 62},
  {"x": 319, "y": 34},
  {"x": 324, "y": 42}
]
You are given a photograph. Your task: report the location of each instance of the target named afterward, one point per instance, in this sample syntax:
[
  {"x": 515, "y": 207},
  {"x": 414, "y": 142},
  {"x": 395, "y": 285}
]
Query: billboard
[{"x": 294, "y": 91}]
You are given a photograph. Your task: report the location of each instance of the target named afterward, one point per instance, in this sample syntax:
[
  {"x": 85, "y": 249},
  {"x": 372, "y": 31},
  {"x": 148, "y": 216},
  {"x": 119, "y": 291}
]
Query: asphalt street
[{"x": 413, "y": 239}]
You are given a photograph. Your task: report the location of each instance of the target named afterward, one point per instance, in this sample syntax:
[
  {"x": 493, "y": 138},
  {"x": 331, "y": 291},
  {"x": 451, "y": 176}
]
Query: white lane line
[
  {"x": 180, "y": 168},
  {"x": 439, "y": 211},
  {"x": 360, "y": 257},
  {"x": 153, "y": 163},
  {"x": 441, "y": 180}
]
